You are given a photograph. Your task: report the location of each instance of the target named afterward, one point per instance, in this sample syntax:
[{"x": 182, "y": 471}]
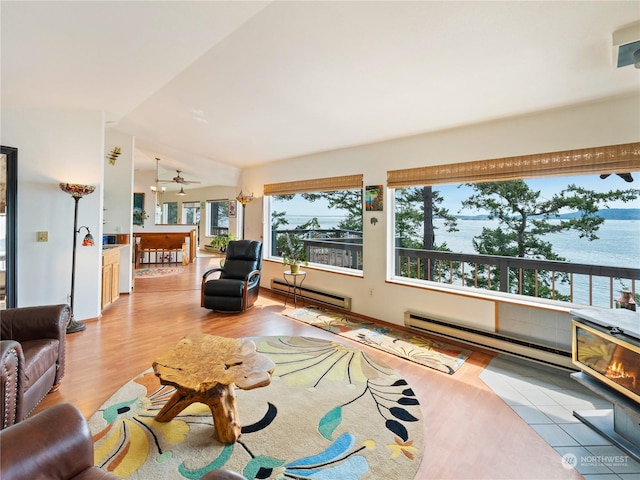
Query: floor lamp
[
  {"x": 244, "y": 200},
  {"x": 77, "y": 192}
]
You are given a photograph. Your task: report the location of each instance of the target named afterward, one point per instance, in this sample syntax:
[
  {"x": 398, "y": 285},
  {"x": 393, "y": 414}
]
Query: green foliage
[
  {"x": 139, "y": 216},
  {"x": 524, "y": 219},
  {"x": 293, "y": 250},
  {"x": 345, "y": 200},
  {"x": 416, "y": 209},
  {"x": 221, "y": 242},
  {"x": 278, "y": 220},
  {"x": 349, "y": 200}
]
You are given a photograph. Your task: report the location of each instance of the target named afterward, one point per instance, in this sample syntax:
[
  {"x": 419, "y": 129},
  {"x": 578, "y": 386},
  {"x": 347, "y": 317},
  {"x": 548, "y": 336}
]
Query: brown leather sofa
[
  {"x": 32, "y": 357},
  {"x": 53, "y": 444},
  {"x": 56, "y": 444}
]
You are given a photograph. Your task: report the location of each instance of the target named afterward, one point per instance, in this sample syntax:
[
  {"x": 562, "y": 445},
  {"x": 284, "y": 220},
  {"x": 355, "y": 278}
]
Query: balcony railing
[
  {"x": 594, "y": 285},
  {"x": 575, "y": 282},
  {"x": 334, "y": 247}
]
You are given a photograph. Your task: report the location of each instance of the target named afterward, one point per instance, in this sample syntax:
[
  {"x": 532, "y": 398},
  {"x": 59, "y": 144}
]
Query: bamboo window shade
[
  {"x": 347, "y": 182},
  {"x": 601, "y": 160}
]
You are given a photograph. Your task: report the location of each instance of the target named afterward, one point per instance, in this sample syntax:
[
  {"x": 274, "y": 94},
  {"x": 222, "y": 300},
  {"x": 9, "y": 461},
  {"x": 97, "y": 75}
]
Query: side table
[{"x": 294, "y": 283}]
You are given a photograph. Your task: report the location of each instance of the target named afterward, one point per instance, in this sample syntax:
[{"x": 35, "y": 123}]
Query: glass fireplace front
[{"x": 609, "y": 356}]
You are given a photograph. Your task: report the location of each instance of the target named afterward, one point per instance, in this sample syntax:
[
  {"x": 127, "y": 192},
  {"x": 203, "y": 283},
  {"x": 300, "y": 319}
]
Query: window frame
[
  {"x": 596, "y": 160},
  {"x": 347, "y": 182},
  {"x": 209, "y": 226}
]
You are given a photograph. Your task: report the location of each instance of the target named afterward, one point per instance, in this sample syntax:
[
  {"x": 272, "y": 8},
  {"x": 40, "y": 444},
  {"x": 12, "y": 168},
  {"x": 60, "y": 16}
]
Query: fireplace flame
[
  {"x": 617, "y": 373},
  {"x": 617, "y": 369}
]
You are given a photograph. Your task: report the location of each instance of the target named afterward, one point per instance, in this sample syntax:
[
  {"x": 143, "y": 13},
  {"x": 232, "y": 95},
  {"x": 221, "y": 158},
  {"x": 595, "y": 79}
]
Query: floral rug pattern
[
  {"x": 424, "y": 351},
  {"x": 157, "y": 272},
  {"x": 330, "y": 412}
]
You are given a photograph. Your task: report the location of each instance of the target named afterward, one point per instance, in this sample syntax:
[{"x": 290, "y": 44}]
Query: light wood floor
[{"x": 470, "y": 433}]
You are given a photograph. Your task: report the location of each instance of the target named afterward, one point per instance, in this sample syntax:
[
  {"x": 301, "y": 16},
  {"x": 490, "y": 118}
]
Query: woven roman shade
[
  {"x": 609, "y": 159},
  {"x": 348, "y": 182}
]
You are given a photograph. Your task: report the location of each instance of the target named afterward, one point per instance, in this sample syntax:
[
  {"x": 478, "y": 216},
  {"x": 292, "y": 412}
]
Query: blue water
[{"x": 618, "y": 244}]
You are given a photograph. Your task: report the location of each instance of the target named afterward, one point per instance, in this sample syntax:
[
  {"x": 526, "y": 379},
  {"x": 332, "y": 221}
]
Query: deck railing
[
  {"x": 575, "y": 282},
  {"x": 594, "y": 285},
  {"x": 334, "y": 247}
]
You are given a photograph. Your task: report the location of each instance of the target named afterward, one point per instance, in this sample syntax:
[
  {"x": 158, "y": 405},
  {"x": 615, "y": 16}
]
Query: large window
[
  {"x": 169, "y": 213},
  {"x": 324, "y": 216},
  {"x": 499, "y": 227},
  {"x": 190, "y": 213},
  {"x": 217, "y": 217}
]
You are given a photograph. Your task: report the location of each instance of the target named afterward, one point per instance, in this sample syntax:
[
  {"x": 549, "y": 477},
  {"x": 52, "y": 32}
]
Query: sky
[{"x": 454, "y": 194}]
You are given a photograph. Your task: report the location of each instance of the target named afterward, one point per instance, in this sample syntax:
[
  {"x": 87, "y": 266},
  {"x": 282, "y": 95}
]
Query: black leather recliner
[{"x": 236, "y": 288}]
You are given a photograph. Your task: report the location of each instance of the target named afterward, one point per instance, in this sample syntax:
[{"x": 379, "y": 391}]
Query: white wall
[
  {"x": 604, "y": 123},
  {"x": 118, "y": 198},
  {"x": 56, "y": 146}
]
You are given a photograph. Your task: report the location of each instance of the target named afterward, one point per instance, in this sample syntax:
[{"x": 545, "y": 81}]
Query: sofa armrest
[
  {"x": 55, "y": 444},
  {"x": 34, "y": 323},
  {"x": 11, "y": 382}
]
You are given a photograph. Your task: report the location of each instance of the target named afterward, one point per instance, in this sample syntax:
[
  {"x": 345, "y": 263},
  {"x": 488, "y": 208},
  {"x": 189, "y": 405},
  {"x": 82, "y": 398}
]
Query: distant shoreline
[{"x": 607, "y": 214}]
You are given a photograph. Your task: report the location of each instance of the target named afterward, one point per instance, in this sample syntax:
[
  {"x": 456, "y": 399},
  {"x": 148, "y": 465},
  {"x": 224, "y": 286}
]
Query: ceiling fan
[{"x": 179, "y": 179}]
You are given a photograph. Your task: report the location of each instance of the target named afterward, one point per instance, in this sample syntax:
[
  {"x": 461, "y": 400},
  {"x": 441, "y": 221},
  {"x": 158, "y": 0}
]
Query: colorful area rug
[
  {"x": 157, "y": 272},
  {"x": 430, "y": 353},
  {"x": 330, "y": 412}
]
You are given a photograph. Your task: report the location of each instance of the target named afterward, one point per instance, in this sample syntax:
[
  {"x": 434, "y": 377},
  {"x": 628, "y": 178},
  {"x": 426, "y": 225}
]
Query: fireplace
[
  {"x": 606, "y": 348},
  {"x": 609, "y": 356}
]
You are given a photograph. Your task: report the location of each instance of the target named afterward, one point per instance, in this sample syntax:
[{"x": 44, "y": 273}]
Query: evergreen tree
[{"x": 524, "y": 218}]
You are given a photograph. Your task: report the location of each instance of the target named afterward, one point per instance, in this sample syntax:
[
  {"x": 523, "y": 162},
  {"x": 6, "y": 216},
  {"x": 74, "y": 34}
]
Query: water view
[{"x": 618, "y": 246}]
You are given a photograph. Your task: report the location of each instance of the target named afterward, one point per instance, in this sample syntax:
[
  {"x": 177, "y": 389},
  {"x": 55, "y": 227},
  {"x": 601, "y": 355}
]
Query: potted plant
[
  {"x": 139, "y": 216},
  {"x": 294, "y": 253},
  {"x": 221, "y": 242}
]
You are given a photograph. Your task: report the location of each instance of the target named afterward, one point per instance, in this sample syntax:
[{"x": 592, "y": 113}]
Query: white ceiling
[{"x": 213, "y": 86}]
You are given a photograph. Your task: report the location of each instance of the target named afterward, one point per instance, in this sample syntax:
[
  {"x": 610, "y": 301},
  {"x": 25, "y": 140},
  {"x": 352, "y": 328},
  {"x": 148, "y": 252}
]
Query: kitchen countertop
[{"x": 111, "y": 246}]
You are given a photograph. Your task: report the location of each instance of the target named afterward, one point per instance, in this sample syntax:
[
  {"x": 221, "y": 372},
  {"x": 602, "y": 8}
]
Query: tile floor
[{"x": 545, "y": 398}]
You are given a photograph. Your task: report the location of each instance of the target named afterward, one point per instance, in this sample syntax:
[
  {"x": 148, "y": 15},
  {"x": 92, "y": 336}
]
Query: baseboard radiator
[
  {"x": 497, "y": 342},
  {"x": 314, "y": 294}
]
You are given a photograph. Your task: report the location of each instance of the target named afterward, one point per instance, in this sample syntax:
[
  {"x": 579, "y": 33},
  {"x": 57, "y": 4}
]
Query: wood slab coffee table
[{"x": 205, "y": 368}]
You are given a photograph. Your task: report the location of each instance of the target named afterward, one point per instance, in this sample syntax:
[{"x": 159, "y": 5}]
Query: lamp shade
[
  {"x": 88, "y": 240},
  {"x": 244, "y": 199},
  {"x": 77, "y": 190}
]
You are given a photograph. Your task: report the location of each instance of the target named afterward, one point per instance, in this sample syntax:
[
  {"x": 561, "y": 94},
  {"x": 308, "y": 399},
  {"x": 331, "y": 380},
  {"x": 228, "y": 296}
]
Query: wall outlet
[
  {"x": 371, "y": 292},
  {"x": 43, "y": 236}
]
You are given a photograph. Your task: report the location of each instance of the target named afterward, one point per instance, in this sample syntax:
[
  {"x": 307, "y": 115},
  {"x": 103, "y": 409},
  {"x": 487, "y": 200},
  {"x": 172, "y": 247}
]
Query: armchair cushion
[
  {"x": 40, "y": 333},
  {"x": 54, "y": 444},
  {"x": 39, "y": 355},
  {"x": 238, "y": 283}
]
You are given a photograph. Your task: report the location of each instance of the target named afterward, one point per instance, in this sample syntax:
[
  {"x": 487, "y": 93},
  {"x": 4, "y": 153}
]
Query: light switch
[{"x": 43, "y": 236}]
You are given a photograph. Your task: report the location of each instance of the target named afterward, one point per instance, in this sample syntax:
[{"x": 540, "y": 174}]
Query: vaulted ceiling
[{"x": 219, "y": 85}]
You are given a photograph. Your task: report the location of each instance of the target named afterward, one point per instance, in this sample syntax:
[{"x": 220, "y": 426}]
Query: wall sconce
[
  {"x": 244, "y": 200},
  {"x": 77, "y": 192},
  {"x": 113, "y": 155}
]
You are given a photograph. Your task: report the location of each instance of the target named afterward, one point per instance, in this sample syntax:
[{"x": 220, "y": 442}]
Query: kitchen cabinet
[{"x": 110, "y": 276}]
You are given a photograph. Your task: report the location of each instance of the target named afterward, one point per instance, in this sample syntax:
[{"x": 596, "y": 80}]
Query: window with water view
[
  {"x": 561, "y": 238},
  {"x": 328, "y": 224}
]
